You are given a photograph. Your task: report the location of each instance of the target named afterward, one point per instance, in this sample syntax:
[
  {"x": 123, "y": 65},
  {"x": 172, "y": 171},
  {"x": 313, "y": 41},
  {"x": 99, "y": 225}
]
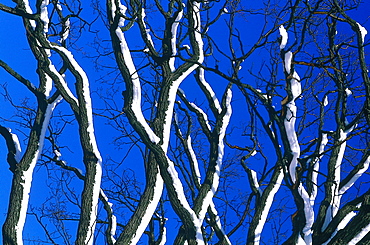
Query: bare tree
[{"x": 219, "y": 122}]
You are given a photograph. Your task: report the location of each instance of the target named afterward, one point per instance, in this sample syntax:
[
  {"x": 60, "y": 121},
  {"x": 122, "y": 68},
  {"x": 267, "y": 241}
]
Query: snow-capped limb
[
  {"x": 263, "y": 207},
  {"x": 145, "y": 32},
  {"x": 59, "y": 79},
  {"x": 308, "y": 214},
  {"x": 146, "y": 207},
  {"x": 172, "y": 83},
  {"x": 179, "y": 202},
  {"x": 221, "y": 234},
  {"x": 253, "y": 181},
  {"x": 288, "y": 61},
  {"x": 215, "y": 168},
  {"x": 341, "y": 225},
  {"x": 18, "y": 204},
  {"x": 128, "y": 70},
  {"x": 24, "y": 4},
  {"x": 293, "y": 91},
  {"x": 202, "y": 116},
  {"x": 132, "y": 107},
  {"x": 208, "y": 91},
  {"x": 356, "y": 173},
  {"x": 186, "y": 142},
  {"x": 112, "y": 222},
  {"x": 14, "y": 147},
  {"x": 357, "y": 239},
  {"x": 332, "y": 190},
  {"x": 358, "y": 228},
  {"x": 66, "y": 26},
  {"x": 315, "y": 166},
  {"x": 326, "y": 101},
  {"x": 92, "y": 157},
  {"x": 289, "y": 123},
  {"x": 193, "y": 159}
]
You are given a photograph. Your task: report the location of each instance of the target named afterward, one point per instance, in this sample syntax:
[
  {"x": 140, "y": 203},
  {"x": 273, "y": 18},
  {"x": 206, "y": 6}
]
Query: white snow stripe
[{"x": 29, "y": 11}]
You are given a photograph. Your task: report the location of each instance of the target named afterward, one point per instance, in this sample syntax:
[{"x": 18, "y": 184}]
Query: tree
[{"x": 215, "y": 139}]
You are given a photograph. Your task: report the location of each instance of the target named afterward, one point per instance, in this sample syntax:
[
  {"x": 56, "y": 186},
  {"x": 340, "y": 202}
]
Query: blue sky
[{"x": 14, "y": 50}]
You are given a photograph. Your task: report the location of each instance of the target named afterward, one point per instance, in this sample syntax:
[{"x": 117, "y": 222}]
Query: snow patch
[
  {"x": 284, "y": 37},
  {"x": 65, "y": 31},
  {"x": 363, "y": 32},
  {"x": 29, "y": 11},
  {"x": 348, "y": 92},
  {"x": 326, "y": 102},
  {"x": 288, "y": 61},
  {"x": 255, "y": 181},
  {"x": 18, "y": 149}
]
